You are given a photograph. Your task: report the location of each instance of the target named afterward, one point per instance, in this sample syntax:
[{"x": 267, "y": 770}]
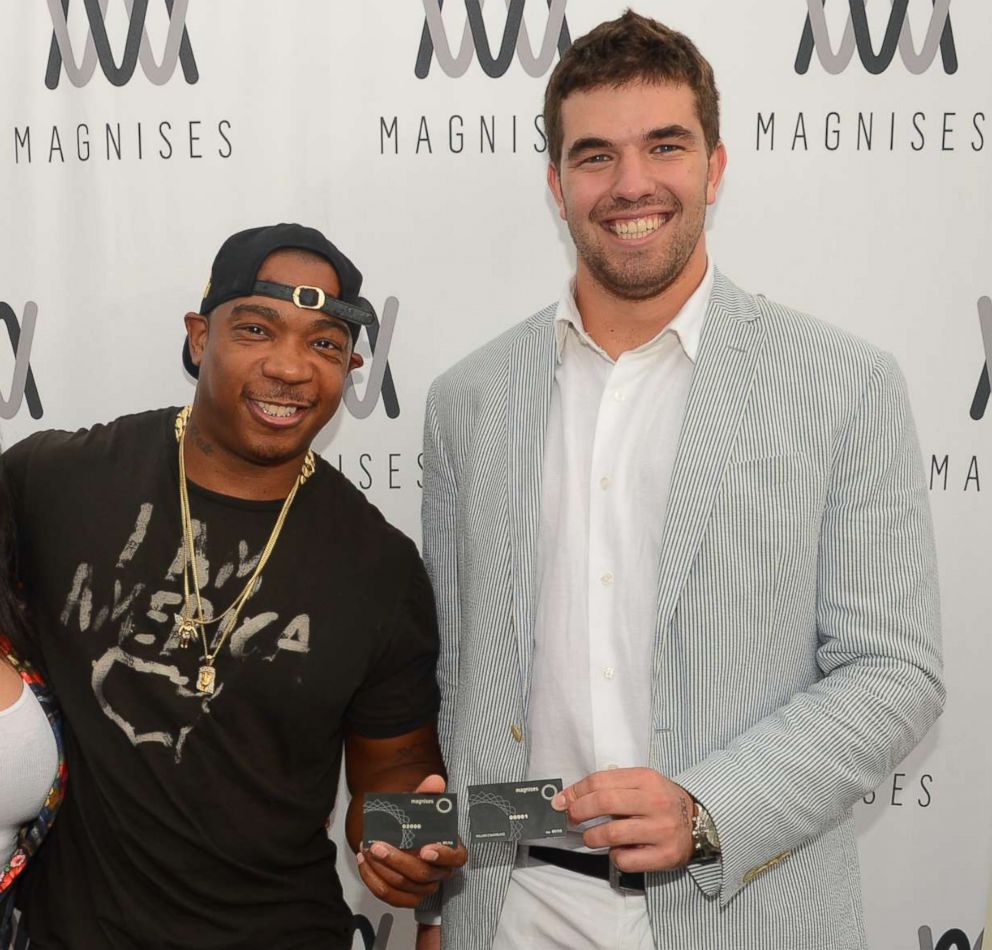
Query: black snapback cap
[{"x": 235, "y": 269}]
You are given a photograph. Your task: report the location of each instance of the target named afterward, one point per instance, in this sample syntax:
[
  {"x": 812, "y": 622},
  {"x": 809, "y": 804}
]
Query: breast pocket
[{"x": 768, "y": 508}]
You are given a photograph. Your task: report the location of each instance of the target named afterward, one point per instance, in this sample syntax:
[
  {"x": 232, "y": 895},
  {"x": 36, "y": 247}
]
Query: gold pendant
[
  {"x": 186, "y": 631},
  {"x": 206, "y": 679}
]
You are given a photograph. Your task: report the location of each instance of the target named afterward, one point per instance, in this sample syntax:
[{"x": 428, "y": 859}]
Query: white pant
[{"x": 548, "y": 907}]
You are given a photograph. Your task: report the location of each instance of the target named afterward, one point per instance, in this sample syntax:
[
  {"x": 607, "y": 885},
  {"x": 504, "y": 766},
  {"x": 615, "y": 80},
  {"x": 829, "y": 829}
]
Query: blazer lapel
[
  {"x": 728, "y": 355},
  {"x": 532, "y": 373}
]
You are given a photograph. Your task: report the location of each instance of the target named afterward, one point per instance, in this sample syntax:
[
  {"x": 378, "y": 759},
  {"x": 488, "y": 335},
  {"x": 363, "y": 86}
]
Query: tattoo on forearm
[{"x": 411, "y": 754}]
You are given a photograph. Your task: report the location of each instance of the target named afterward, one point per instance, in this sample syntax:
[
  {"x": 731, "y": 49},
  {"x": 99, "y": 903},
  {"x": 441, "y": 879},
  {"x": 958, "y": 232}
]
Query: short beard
[
  {"x": 268, "y": 456},
  {"x": 637, "y": 282}
]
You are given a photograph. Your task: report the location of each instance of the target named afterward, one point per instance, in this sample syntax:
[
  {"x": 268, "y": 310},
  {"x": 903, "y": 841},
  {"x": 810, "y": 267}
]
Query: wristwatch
[{"x": 704, "y": 836}]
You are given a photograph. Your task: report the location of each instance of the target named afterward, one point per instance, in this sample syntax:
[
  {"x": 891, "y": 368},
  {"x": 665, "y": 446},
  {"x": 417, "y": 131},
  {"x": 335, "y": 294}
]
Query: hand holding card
[
  {"x": 410, "y": 820},
  {"x": 404, "y": 877}
]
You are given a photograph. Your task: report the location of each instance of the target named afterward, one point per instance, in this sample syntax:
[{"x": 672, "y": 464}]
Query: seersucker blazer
[{"x": 797, "y": 650}]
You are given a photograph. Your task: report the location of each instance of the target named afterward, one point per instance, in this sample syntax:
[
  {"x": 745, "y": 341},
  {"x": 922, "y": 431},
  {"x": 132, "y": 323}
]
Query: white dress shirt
[{"x": 613, "y": 430}]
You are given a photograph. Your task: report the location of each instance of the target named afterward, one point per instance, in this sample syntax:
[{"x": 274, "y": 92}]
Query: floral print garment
[{"x": 32, "y": 834}]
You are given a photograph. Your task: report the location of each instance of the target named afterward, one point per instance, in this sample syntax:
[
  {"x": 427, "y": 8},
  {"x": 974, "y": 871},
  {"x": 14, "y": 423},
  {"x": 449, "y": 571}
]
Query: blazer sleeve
[
  {"x": 800, "y": 769},
  {"x": 439, "y": 517}
]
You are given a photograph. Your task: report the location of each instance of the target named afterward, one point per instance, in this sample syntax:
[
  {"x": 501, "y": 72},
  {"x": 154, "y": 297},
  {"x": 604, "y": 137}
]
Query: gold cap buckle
[{"x": 317, "y": 294}]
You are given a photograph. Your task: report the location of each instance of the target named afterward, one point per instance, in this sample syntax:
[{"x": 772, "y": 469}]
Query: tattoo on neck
[{"x": 206, "y": 447}]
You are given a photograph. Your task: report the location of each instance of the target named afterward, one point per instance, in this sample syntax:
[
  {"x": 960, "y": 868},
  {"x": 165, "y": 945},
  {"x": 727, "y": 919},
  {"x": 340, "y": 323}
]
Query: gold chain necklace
[{"x": 192, "y": 622}]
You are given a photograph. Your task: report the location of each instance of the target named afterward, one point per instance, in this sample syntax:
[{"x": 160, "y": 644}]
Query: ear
[
  {"x": 714, "y": 172},
  {"x": 554, "y": 184},
  {"x": 196, "y": 330},
  {"x": 356, "y": 361}
]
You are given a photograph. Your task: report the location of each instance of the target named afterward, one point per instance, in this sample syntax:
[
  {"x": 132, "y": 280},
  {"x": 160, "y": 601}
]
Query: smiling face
[
  {"x": 633, "y": 185},
  {"x": 271, "y": 374}
]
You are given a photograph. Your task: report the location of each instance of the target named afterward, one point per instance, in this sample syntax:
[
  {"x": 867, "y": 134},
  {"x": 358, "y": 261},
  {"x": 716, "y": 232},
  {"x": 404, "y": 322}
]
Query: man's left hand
[{"x": 651, "y": 817}]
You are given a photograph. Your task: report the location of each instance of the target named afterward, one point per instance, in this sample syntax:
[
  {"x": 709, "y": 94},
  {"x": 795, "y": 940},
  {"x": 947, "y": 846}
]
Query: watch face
[
  {"x": 712, "y": 835},
  {"x": 705, "y": 830}
]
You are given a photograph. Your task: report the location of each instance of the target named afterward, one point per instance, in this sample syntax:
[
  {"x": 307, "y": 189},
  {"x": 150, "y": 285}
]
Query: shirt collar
[{"x": 687, "y": 324}]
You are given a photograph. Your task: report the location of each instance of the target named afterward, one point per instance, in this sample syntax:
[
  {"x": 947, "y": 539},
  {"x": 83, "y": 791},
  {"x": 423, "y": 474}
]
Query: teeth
[
  {"x": 272, "y": 409},
  {"x": 637, "y": 227}
]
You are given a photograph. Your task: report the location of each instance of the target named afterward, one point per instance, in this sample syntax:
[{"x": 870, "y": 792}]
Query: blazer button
[{"x": 517, "y": 732}]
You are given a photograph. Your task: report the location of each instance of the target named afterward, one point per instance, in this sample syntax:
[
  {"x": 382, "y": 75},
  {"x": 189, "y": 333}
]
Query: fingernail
[
  {"x": 380, "y": 850},
  {"x": 558, "y": 802},
  {"x": 429, "y": 855},
  {"x": 359, "y": 858}
]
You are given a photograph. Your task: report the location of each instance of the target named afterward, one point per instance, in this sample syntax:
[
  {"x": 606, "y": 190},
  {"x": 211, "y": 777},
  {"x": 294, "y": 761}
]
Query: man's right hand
[
  {"x": 404, "y": 878},
  {"x": 428, "y": 937}
]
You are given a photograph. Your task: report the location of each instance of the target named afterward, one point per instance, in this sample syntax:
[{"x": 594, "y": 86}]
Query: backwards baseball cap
[{"x": 235, "y": 270}]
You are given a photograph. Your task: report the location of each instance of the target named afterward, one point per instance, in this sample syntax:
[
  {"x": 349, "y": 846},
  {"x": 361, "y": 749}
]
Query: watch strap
[{"x": 314, "y": 298}]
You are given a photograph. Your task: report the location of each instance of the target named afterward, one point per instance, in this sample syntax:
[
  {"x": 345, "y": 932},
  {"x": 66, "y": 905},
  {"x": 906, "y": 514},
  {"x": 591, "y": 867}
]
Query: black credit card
[
  {"x": 409, "y": 820},
  {"x": 515, "y": 811}
]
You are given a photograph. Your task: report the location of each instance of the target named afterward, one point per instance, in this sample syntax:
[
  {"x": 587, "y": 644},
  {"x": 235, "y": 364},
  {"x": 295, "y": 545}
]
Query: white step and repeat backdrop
[{"x": 136, "y": 134}]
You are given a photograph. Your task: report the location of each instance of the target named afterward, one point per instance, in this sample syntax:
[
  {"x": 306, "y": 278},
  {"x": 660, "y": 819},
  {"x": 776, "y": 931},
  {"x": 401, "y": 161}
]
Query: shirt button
[
  {"x": 607, "y": 579},
  {"x": 612, "y": 765},
  {"x": 604, "y": 482},
  {"x": 619, "y": 395},
  {"x": 609, "y": 673}
]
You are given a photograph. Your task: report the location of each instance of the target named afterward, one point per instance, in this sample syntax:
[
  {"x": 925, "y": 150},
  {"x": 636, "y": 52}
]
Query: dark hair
[{"x": 632, "y": 48}]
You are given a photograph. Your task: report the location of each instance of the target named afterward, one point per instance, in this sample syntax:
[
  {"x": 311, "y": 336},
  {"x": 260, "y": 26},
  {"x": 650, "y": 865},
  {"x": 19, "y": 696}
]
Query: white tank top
[{"x": 28, "y": 763}]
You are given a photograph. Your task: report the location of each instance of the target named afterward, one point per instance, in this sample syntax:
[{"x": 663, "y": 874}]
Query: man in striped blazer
[{"x": 681, "y": 548}]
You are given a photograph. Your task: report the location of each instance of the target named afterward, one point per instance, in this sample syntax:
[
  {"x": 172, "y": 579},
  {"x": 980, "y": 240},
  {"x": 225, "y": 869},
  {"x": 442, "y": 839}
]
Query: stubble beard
[
  {"x": 638, "y": 276},
  {"x": 274, "y": 451},
  {"x": 268, "y": 455}
]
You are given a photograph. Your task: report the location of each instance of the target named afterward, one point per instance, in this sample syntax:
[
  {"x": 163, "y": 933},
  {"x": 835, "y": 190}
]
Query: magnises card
[
  {"x": 515, "y": 811},
  {"x": 409, "y": 820}
]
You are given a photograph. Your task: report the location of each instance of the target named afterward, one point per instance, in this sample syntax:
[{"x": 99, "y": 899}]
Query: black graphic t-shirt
[{"x": 198, "y": 821}]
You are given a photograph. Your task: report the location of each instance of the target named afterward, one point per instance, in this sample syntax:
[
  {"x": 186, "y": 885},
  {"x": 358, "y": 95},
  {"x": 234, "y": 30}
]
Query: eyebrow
[
  {"x": 670, "y": 132},
  {"x": 328, "y": 323},
  {"x": 591, "y": 142},
  {"x": 587, "y": 144},
  {"x": 259, "y": 310}
]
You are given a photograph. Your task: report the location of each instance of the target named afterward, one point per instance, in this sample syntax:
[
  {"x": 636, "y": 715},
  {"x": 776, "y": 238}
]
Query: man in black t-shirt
[{"x": 222, "y": 614}]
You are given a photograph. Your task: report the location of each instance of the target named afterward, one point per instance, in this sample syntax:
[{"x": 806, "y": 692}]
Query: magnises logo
[
  {"x": 981, "y": 401},
  {"x": 954, "y": 939},
  {"x": 380, "y": 375},
  {"x": 370, "y": 939},
  {"x": 857, "y": 36},
  {"x": 137, "y": 47},
  {"x": 22, "y": 384},
  {"x": 475, "y": 39}
]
